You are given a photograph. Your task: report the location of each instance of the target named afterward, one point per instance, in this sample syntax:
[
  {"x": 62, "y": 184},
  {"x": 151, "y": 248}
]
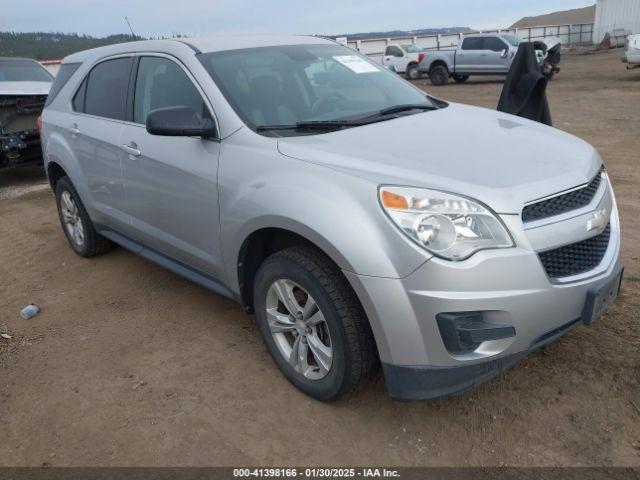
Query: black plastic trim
[{"x": 169, "y": 263}]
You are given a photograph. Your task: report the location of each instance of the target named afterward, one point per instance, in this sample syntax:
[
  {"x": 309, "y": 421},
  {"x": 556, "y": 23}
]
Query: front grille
[
  {"x": 576, "y": 258},
  {"x": 562, "y": 203}
]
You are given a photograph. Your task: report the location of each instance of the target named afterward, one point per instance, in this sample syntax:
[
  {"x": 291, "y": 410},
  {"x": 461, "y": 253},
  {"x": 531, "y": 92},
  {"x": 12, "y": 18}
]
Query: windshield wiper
[
  {"x": 313, "y": 125},
  {"x": 406, "y": 108},
  {"x": 340, "y": 124}
]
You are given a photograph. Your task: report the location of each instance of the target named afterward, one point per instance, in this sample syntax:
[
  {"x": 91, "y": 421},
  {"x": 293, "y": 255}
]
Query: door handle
[
  {"x": 131, "y": 149},
  {"x": 73, "y": 130}
]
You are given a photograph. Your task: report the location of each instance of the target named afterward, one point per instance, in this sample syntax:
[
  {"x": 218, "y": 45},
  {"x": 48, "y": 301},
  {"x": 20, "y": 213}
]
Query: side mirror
[
  {"x": 179, "y": 122},
  {"x": 504, "y": 53}
]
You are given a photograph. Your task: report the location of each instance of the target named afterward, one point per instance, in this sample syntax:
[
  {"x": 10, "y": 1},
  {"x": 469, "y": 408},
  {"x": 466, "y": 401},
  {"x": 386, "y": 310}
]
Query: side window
[
  {"x": 63, "y": 76},
  {"x": 387, "y": 52},
  {"x": 494, "y": 44},
  {"x": 106, "y": 89},
  {"x": 396, "y": 52},
  {"x": 78, "y": 99},
  {"x": 162, "y": 83},
  {"x": 472, "y": 43}
]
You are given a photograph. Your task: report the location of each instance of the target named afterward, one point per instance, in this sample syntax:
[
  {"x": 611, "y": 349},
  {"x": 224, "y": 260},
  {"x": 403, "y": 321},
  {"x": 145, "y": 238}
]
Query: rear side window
[
  {"x": 64, "y": 74},
  {"x": 472, "y": 43},
  {"x": 162, "y": 83},
  {"x": 494, "y": 44},
  {"x": 78, "y": 99},
  {"x": 105, "y": 88}
]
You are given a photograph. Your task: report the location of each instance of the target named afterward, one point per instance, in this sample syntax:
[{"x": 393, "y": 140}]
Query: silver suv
[{"x": 362, "y": 220}]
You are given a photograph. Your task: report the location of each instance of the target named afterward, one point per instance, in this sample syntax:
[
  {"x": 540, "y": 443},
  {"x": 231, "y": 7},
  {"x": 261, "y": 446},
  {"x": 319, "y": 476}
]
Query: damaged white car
[{"x": 24, "y": 85}]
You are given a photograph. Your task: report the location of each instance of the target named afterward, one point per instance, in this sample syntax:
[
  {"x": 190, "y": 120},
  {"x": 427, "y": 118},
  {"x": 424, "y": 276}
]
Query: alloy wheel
[
  {"x": 71, "y": 219},
  {"x": 299, "y": 329}
]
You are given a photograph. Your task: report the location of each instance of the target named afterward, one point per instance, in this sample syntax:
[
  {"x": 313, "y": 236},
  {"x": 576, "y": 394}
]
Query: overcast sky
[{"x": 200, "y": 17}]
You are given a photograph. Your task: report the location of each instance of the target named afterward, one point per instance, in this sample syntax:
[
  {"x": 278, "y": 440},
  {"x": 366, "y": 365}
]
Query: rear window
[
  {"x": 106, "y": 89},
  {"x": 23, "y": 71},
  {"x": 472, "y": 43},
  {"x": 64, "y": 74}
]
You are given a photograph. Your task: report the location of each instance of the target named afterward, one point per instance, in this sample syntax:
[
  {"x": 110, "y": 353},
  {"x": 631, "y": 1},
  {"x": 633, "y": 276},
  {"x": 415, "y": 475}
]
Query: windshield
[
  {"x": 287, "y": 85},
  {"x": 411, "y": 49},
  {"x": 512, "y": 39},
  {"x": 23, "y": 71}
]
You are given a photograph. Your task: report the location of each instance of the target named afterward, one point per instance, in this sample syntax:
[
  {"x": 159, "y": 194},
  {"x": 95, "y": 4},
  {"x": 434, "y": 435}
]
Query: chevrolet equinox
[{"x": 363, "y": 221}]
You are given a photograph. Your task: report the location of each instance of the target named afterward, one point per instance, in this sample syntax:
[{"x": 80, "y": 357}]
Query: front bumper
[
  {"x": 509, "y": 286},
  {"x": 420, "y": 382}
]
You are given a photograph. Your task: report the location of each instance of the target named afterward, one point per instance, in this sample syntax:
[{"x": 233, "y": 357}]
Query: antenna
[{"x": 133, "y": 34}]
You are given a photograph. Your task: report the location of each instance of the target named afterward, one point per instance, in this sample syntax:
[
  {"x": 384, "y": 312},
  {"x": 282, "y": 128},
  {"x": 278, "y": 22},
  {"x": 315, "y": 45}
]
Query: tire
[
  {"x": 92, "y": 243},
  {"x": 413, "y": 72},
  {"x": 549, "y": 75},
  {"x": 439, "y": 75},
  {"x": 460, "y": 78},
  {"x": 345, "y": 327}
]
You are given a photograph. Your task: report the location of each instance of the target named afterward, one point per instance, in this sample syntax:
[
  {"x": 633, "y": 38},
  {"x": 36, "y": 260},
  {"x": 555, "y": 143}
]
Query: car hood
[
  {"x": 502, "y": 160},
  {"x": 24, "y": 88}
]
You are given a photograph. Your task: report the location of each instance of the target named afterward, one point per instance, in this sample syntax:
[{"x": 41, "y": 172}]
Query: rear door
[
  {"x": 93, "y": 132},
  {"x": 469, "y": 55},
  {"x": 494, "y": 59},
  {"x": 171, "y": 182}
]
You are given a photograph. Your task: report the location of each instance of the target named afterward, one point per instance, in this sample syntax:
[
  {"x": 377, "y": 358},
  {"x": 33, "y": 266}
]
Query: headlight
[{"x": 446, "y": 225}]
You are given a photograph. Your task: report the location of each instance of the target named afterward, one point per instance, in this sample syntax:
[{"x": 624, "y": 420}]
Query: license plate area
[{"x": 600, "y": 297}]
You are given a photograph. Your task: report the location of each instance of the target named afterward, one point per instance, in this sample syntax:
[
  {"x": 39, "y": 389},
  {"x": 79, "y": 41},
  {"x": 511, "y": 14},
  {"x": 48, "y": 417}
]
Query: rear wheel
[
  {"x": 460, "y": 78},
  {"x": 439, "y": 75},
  {"x": 75, "y": 221},
  {"x": 313, "y": 324},
  {"x": 413, "y": 72}
]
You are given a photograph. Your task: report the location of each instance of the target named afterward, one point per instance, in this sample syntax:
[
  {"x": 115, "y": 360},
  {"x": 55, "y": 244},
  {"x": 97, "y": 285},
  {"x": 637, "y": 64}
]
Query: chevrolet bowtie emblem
[{"x": 599, "y": 220}]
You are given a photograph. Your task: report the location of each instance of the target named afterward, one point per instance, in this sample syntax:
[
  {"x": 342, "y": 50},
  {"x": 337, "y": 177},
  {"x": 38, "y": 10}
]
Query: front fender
[{"x": 337, "y": 211}]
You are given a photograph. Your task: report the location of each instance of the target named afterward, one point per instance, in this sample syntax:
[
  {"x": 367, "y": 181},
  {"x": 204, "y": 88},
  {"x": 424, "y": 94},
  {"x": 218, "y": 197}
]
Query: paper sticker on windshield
[{"x": 356, "y": 64}]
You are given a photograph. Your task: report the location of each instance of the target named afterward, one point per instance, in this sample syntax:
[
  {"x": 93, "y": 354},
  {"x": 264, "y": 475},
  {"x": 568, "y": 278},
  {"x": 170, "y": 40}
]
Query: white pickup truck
[
  {"x": 486, "y": 54},
  {"x": 404, "y": 59}
]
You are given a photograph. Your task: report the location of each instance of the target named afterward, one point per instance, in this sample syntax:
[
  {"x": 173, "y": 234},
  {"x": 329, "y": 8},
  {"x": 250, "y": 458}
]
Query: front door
[
  {"x": 496, "y": 55},
  {"x": 395, "y": 56},
  {"x": 171, "y": 182},
  {"x": 469, "y": 55}
]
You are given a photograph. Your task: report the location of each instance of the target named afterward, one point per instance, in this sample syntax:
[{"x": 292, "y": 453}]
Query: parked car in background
[
  {"x": 24, "y": 85},
  {"x": 404, "y": 59},
  {"x": 289, "y": 174},
  {"x": 632, "y": 55},
  {"x": 485, "y": 54}
]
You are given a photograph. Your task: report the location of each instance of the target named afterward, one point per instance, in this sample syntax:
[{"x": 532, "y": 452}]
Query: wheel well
[
  {"x": 55, "y": 173},
  {"x": 411, "y": 64},
  {"x": 439, "y": 63},
  {"x": 255, "y": 250}
]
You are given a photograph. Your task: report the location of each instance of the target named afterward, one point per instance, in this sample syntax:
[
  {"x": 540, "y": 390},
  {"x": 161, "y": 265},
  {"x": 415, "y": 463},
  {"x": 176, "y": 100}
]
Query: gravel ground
[{"x": 128, "y": 364}]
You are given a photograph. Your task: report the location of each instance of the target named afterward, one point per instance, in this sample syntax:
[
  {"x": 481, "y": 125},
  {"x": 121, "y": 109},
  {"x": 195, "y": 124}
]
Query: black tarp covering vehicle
[
  {"x": 524, "y": 91},
  {"x": 24, "y": 85}
]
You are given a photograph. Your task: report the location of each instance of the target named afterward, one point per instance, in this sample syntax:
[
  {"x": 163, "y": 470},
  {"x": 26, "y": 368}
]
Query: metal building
[{"x": 616, "y": 15}]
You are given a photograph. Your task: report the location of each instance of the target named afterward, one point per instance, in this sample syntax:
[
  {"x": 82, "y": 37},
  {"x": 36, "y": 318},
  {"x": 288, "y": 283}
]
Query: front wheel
[{"x": 313, "y": 324}]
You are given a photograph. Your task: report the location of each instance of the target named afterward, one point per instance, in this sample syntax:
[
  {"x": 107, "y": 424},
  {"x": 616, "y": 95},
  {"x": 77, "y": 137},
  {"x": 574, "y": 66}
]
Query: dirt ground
[{"x": 129, "y": 364}]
